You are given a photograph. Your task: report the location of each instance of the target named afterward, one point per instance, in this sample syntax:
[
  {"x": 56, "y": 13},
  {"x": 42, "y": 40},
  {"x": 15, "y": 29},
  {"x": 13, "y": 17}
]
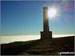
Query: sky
[{"x": 26, "y": 17}]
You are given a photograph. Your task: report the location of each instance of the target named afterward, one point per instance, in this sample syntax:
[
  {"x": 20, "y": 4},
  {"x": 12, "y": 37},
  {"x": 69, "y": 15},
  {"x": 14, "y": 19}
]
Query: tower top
[{"x": 45, "y": 8}]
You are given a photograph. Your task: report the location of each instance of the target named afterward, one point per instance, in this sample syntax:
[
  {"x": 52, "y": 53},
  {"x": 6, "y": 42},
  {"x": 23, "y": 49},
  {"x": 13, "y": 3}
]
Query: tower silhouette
[
  {"x": 46, "y": 34},
  {"x": 46, "y": 42}
]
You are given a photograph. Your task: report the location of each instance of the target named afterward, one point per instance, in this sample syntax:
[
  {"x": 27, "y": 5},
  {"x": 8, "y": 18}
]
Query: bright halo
[{"x": 52, "y": 12}]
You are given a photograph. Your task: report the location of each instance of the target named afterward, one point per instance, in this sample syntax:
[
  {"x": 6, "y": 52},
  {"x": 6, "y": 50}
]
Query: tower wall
[
  {"x": 45, "y": 19},
  {"x": 46, "y": 34}
]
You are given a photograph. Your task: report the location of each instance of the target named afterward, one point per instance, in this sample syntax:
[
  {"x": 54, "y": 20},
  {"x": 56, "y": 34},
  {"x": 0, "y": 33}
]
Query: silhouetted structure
[
  {"x": 46, "y": 44},
  {"x": 46, "y": 34}
]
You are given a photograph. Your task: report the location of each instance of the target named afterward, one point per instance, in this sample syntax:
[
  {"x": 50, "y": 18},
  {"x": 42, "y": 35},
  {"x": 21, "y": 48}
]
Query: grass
[{"x": 17, "y": 47}]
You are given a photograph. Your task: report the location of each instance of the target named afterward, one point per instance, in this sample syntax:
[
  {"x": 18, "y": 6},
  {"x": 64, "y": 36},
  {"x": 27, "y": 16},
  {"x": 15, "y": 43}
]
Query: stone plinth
[{"x": 46, "y": 35}]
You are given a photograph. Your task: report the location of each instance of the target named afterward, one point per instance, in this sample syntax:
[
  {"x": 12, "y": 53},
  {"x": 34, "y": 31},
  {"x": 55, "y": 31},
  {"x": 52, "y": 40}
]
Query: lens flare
[{"x": 52, "y": 12}]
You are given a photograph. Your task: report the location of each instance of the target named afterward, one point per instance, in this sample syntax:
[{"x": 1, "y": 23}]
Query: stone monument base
[{"x": 46, "y": 35}]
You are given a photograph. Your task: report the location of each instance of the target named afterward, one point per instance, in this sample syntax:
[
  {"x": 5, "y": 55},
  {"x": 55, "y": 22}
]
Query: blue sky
[{"x": 26, "y": 17}]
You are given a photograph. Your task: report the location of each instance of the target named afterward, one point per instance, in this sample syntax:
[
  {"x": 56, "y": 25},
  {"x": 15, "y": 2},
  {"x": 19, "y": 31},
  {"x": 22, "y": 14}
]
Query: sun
[{"x": 52, "y": 12}]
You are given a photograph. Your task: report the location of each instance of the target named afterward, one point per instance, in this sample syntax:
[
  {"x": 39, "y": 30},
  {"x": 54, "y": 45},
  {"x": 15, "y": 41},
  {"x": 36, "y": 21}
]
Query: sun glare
[{"x": 52, "y": 12}]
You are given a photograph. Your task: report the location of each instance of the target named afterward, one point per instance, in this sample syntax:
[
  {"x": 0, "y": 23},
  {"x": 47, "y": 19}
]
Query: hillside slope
[{"x": 29, "y": 47}]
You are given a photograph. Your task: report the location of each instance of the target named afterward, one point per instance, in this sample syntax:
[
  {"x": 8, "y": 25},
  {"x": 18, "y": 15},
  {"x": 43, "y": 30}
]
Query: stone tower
[
  {"x": 45, "y": 44},
  {"x": 46, "y": 34}
]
